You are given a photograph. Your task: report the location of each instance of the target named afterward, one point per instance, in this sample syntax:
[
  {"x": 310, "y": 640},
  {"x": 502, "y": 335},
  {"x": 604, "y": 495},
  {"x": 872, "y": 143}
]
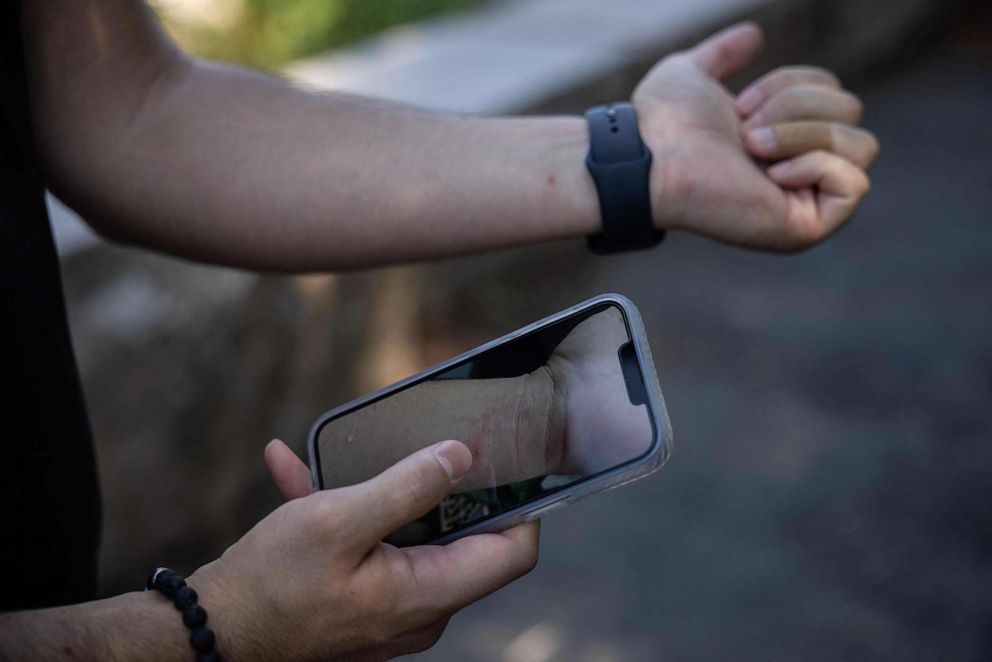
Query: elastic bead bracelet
[{"x": 174, "y": 587}]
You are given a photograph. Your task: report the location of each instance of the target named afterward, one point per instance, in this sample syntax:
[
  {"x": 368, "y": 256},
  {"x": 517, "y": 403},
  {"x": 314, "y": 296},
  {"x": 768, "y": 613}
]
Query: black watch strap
[{"x": 620, "y": 163}]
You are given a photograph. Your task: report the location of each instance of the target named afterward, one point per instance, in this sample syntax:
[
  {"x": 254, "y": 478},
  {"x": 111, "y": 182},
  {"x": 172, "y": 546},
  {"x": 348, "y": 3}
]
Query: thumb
[
  {"x": 291, "y": 476},
  {"x": 409, "y": 488},
  {"x": 729, "y": 50}
]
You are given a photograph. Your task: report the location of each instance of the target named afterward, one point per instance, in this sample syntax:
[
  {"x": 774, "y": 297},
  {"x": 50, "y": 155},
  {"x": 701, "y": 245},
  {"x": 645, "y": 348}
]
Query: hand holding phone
[
  {"x": 312, "y": 580},
  {"x": 562, "y": 408}
]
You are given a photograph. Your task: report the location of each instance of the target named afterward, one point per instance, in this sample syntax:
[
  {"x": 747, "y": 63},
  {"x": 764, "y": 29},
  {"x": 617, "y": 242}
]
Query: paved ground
[{"x": 829, "y": 496}]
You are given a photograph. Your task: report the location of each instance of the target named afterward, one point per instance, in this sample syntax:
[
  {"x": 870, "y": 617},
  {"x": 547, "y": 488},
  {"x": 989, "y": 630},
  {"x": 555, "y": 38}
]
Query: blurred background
[{"x": 830, "y": 493}]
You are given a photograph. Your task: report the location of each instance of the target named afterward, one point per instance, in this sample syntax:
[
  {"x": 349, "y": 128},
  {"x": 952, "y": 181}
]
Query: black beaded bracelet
[{"x": 174, "y": 587}]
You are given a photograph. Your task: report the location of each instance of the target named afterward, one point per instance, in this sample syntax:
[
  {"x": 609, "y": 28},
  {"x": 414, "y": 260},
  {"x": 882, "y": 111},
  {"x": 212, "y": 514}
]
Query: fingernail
[
  {"x": 749, "y": 100},
  {"x": 754, "y": 121},
  {"x": 454, "y": 457},
  {"x": 763, "y": 138}
]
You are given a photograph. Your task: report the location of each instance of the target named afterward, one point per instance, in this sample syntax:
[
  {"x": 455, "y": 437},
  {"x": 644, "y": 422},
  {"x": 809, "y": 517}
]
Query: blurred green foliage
[{"x": 269, "y": 33}]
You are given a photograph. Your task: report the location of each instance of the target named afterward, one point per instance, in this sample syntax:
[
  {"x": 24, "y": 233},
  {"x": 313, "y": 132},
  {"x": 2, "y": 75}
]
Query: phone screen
[{"x": 540, "y": 412}]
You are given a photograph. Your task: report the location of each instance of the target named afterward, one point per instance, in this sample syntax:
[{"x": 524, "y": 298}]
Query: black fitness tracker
[{"x": 620, "y": 163}]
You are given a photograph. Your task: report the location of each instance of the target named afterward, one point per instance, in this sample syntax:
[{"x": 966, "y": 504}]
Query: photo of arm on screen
[{"x": 569, "y": 416}]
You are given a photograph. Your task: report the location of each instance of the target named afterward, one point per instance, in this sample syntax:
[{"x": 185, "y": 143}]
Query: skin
[
  {"x": 711, "y": 147},
  {"x": 569, "y": 416},
  {"x": 601, "y": 427},
  {"x": 229, "y": 166},
  {"x": 309, "y": 582},
  {"x": 513, "y": 427},
  {"x": 223, "y": 165}
]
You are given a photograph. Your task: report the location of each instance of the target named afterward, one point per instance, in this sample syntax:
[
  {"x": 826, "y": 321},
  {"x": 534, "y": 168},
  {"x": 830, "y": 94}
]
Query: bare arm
[
  {"x": 226, "y": 165},
  {"x": 127, "y": 627},
  {"x": 514, "y": 427},
  {"x": 309, "y": 582},
  {"x": 570, "y": 416}
]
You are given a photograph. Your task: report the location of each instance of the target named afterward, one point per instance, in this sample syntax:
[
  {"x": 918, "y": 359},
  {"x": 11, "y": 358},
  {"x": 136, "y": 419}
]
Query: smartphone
[{"x": 565, "y": 407}]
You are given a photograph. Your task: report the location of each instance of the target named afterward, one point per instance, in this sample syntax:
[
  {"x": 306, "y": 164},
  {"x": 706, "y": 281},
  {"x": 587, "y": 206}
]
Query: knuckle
[
  {"x": 528, "y": 560},
  {"x": 856, "y": 183},
  {"x": 863, "y": 185},
  {"x": 790, "y": 75},
  {"x": 800, "y": 236},
  {"x": 825, "y": 75},
  {"x": 873, "y": 147},
  {"x": 807, "y": 235},
  {"x": 724, "y": 52},
  {"x": 800, "y": 101},
  {"x": 780, "y": 75},
  {"x": 325, "y": 511},
  {"x": 855, "y": 105}
]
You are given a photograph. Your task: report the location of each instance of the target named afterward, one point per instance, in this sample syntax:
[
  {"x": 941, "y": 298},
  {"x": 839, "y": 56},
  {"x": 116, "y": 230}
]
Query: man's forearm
[
  {"x": 514, "y": 427},
  {"x": 132, "y": 626},
  {"x": 226, "y": 165}
]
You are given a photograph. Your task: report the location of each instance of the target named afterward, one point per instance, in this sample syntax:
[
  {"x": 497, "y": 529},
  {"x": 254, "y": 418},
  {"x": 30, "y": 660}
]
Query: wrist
[
  {"x": 222, "y": 613},
  {"x": 542, "y": 419},
  {"x": 619, "y": 162},
  {"x": 566, "y": 180},
  {"x": 663, "y": 179},
  {"x": 154, "y": 629}
]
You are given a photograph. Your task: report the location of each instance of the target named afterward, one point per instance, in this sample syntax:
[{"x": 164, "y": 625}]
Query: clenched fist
[{"x": 779, "y": 167}]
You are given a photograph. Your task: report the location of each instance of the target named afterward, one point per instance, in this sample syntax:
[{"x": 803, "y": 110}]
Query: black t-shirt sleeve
[{"x": 50, "y": 503}]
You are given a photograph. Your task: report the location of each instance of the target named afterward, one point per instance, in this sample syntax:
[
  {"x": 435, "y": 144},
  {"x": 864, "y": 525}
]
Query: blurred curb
[{"x": 550, "y": 55}]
